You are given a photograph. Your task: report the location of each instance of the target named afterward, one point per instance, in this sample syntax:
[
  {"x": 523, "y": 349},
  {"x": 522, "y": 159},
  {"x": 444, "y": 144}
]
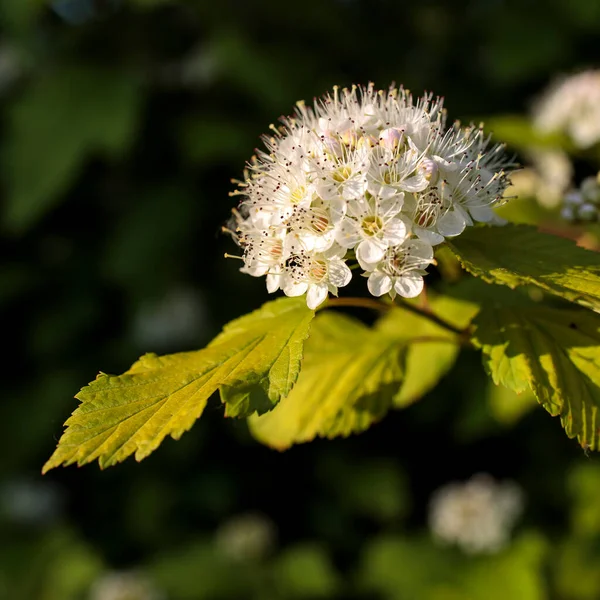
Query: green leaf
[
  {"x": 305, "y": 571},
  {"x": 404, "y": 568},
  {"x": 426, "y": 363},
  {"x": 583, "y": 485},
  {"x": 553, "y": 352},
  {"x": 508, "y": 406},
  {"x": 574, "y": 569},
  {"x": 516, "y": 255},
  {"x": 55, "y": 125},
  {"x": 164, "y": 395},
  {"x": 349, "y": 377},
  {"x": 518, "y": 131},
  {"x": 200, "y": 572}
]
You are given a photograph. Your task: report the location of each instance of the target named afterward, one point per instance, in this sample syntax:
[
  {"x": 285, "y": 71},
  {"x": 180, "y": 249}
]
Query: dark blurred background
[{"x": 122, "y": 123}]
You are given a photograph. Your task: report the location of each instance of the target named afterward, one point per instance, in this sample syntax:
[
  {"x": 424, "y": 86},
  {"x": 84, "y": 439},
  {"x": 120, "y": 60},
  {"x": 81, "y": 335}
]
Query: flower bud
[
  {"x": 429, "y": 169},
  {"x": 392, "y": 138}
]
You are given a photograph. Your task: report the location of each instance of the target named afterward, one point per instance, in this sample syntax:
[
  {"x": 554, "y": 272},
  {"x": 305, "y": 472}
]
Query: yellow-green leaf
[
  {"x": 349, "y": 377},
  {"x": 164, "y": 395},
  {"x": 516, "y": 255},
  {"x": 553, "y": 352},
  {"x": 426, "y": 361}
]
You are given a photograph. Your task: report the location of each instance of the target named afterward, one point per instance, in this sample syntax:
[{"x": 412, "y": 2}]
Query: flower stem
[
  {"x": 425, "y": 312},
  {"x": 428, "y": 314},
  {"x": 358, "y": 303}
]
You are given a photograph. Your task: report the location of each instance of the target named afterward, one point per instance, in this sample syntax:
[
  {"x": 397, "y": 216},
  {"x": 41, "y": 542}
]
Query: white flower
[
  {"x": 30, "y": 501},
  {"x": 572, "y": 105},
  {"x": 477, "y": 515},
  {"x": 356, "y": 176},
  {"x": 547, "y": 179},
  {"x": 246, "y": 537},
  {"x": 401, "y": 270},
  {"x": 124, "y": 585},
  {"x": 371, "y": 226},
  {"x": 315, "y": 275}
]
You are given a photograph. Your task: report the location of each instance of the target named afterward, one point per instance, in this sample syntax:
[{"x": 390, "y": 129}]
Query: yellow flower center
[{"x": 372, "y": 225}]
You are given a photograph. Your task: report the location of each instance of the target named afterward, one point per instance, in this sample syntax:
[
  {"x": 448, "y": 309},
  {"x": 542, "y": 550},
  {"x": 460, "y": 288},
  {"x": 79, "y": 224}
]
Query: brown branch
[{"x": 358, "y": 303}]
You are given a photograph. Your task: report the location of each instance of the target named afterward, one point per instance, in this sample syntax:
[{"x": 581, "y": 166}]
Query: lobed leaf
[
  {"x": 426, "y": 363},
  {"x": 349, "y": 377},
  {"x": 516, "y": 255},
  {"x": 164, "y": 395},
  {"x": 555, "y": 353}
]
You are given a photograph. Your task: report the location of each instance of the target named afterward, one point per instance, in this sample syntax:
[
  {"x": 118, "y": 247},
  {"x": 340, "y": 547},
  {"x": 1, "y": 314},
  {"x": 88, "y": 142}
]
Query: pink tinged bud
[
  {"x": 429, "y": 169},
  {"x": 331, "y": 142},
  {"x": 366, "y": 142},
  {"x": 349, "y": 137},
  {"x": 391, "y": 138}
]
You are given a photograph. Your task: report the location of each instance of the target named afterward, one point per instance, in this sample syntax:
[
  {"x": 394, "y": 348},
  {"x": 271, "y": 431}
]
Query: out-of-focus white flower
[
  {"x": 30, "y": 502},
  {"x": 11, "y": 67},
  {"x": 368, "y": 170},
  {"x": 124, "y": 585},
  {"x": 477, "y": 515},
  {"x": 583, "y": 205},
  {"x": 554, "y": 172},
  {"x": 572, "y": 105},
  {"x": 246, "y": 537},
  {"x": 175, "y": 319}
]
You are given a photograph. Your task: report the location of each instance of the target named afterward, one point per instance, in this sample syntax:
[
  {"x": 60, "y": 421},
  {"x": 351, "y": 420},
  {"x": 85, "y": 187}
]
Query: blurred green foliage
[{"x": 121, "y": 125}]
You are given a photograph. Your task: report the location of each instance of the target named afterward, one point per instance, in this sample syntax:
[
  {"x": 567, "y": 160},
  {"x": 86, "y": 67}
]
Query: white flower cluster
[
  {"x": 583, "y": 204},
  {"x": 124, "y": 585},
  {"x": 572, "y": 106},
  {"x": 476, "y": 515},
  {"x": 246, "y": 537},
  {"x": 368, "y": 175}
]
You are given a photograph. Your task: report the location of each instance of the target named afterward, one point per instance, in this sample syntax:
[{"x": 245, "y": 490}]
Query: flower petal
[
  {"x": 379, "y": 283},
  {"x": 294, "y": 288},
  {"x": 317, "y": 293},
  {"x": 431, "y": 237},
  {"x": 417, "y": 183},
  {"x": 370, "y": 251},
  {"x": 451, "y": 223},
  {"x": 421, "y": 249},
  {"x": 339, "y": 273},
  {"x": 409, "y": 286},
  {"x": 484, "y": 214},
  {"x": 390, "y": 205},
  {"x": 273, "y": 282},
  {"x": 395, "y": 232},
  {"x": 347, "y": 235}
]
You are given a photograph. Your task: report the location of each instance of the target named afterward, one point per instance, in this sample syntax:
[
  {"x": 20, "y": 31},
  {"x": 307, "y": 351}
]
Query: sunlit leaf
[
  {"x": 516, "y": 255},
  {"x": 426, "y": 362},
  {"x": 164, "y": 395},
  {"x": 508, "y": 406},
  {"x": 553, "y": 352},
  {"x": 403, "y": 568},
  {"x": 349, "y": 377}
]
